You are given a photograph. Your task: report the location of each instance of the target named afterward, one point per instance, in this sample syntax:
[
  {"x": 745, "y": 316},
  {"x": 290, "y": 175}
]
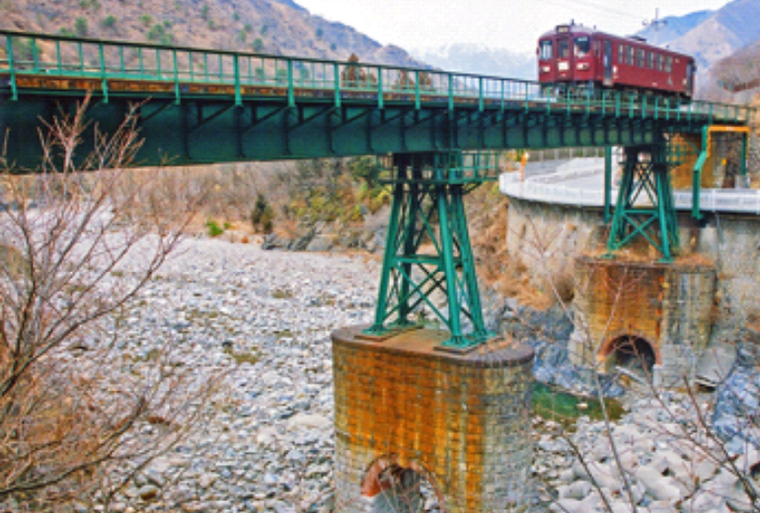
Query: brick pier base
[
  {"x": 407, "y": 414},
  {"x": 667, "y": 307}
]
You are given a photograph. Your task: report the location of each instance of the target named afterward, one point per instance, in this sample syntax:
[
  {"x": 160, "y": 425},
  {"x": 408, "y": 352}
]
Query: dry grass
[
  {"x": 487, "y": 211},
  {"x": 640, "y": 251}
]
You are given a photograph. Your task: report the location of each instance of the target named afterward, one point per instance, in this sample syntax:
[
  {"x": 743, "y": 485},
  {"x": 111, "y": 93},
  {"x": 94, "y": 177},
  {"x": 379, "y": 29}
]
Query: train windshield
[
  {"x": 563, "y": 49},
  {"x": 582, "y": 46},
  {"x": 546, "y": 52}
]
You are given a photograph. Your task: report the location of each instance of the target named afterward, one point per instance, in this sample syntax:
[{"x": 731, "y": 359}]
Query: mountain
[
  {"x": 712, "y": 36},
  {"x": 671, "y": 28},
  {"x": 268, "y": 26},
  {"x": 735, "y": 78},
  {"x": 721, "y": 33},
  {"x": 474, "y": 58}
]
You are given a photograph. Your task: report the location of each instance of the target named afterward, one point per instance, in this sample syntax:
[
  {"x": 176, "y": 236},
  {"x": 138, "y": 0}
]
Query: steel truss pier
[
  {"x": 645, "y": 205},
  {"x": 420, "y": 260}
]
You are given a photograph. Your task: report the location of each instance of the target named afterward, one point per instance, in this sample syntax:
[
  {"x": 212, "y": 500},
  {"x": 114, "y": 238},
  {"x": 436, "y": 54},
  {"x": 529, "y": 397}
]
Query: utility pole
[{"x": 656, "y": 23}]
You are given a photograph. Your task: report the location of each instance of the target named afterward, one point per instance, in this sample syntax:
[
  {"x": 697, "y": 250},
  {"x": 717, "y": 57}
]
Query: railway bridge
[{"x": 411, "y": 404}]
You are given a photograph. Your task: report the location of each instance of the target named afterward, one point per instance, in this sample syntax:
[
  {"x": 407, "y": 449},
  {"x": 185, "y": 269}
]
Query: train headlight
[
  {"x": 583, "y": 66},
  {"x": 545, "y": 69}
]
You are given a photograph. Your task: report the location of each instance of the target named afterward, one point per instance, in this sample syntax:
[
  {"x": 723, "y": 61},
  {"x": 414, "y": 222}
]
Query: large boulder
[{"x": 738, "y": 403}]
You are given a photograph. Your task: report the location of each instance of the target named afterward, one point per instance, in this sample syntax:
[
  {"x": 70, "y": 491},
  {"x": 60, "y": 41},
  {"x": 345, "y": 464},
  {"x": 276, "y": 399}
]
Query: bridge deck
[
  {"x": 56, "y": 63},
  {"x": 310, "y": 107}
]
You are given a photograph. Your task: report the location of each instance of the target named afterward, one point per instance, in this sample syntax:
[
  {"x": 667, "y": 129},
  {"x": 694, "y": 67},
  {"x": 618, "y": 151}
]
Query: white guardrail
[{"x": 551, "y": 189}]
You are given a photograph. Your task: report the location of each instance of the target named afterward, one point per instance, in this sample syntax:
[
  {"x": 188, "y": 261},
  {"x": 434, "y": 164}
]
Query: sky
[{"x": 511, "y": 24}]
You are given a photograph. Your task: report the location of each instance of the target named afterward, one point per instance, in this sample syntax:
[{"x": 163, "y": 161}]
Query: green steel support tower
[
  {"x": 428, "y": 246},
  {"x": 645, "y": 204}
]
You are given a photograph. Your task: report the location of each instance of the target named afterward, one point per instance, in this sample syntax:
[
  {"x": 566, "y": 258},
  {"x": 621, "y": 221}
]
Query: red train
[{"x": 577, "y": 58}]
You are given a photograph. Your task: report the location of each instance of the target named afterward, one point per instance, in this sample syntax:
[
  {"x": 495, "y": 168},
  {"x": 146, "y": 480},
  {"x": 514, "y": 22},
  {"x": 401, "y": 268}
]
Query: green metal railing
[{"x": 56, "y": 56}]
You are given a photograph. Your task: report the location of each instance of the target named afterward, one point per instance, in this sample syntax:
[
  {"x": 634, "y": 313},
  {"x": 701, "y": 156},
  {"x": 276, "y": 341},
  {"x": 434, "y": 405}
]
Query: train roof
[{"x": 572, "y": 28}]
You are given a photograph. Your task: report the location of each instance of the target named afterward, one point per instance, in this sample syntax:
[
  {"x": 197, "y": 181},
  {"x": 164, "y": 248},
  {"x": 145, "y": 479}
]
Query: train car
[{"x": 577, "y": 58}]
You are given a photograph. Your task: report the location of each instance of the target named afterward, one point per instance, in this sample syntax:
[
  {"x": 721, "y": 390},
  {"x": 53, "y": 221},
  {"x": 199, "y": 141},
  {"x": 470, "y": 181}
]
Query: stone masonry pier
[
  {"x": 410, "y": 419},
  {"x": 652, "y": 316}
]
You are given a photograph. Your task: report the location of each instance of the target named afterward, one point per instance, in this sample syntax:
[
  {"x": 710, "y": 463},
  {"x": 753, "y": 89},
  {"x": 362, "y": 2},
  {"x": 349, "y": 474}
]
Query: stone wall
[
  {"x": 405, "y": 413},
  {"x": 549, "y": 238},
  {"x": 668, "y": 306}
]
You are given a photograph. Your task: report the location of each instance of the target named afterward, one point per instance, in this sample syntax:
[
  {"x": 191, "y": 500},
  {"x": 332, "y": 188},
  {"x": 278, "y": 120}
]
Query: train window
[
  {"x": 582, "y": 46},
  {"x": 669, "y": 64},
  {"x": 547, "y": 50},
  {"x": 563, "y": 49},
  {"x": 641, "y": 58},
  {"x": 621, "y": 54},
  {"x": 630, "y": 55},
  {"x": 660, "y": 62},
  {"x": 650, "y": 60}
]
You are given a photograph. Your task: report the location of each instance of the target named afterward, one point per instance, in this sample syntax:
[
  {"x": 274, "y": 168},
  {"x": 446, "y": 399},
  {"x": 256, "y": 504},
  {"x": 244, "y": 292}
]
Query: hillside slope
[
  {"x": 269, "y": 26},
  {"x": 673, "y": 27},
  {"x": 734, "y": 26}
]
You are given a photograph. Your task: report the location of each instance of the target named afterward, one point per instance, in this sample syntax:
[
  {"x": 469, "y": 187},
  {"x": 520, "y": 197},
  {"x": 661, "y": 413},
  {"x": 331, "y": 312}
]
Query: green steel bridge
[{"x": 440, "y": 132}]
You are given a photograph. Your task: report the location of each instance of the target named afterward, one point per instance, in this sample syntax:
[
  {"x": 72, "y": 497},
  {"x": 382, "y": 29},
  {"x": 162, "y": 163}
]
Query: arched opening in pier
[
  {"x": 390, "y": 488},
  {"x": 630, "y": 354}
]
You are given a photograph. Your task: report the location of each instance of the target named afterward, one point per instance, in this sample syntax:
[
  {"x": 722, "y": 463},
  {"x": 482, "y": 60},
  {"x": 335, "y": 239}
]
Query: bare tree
[{"x": 75, "y": 416}]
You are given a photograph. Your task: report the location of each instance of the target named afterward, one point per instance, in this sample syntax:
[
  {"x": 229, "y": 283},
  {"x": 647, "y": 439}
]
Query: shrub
[
  {"x": 262, "y": 216},
  {"x": 159, "y": 34},
  {"x": 23, "y": 49},
  {"x": 109, "y": 21},
  {"x": 80, "y": 26},
  {"x": 258, "y": 45},
  {"x": 146, "y": 20},
  {"x": 214, "y": 230}
]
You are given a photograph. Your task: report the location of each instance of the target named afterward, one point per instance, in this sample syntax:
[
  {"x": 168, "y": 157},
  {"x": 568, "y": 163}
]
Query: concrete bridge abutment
[{"x": 410, "y": 419}]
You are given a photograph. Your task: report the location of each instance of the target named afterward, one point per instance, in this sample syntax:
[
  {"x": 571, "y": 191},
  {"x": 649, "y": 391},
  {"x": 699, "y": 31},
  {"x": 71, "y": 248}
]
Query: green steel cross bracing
[
  {"x": 645, "y": 204},
  {"x": 428, "y": 246}
]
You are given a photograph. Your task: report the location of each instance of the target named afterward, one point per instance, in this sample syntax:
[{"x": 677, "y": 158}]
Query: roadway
[{"x": 580, "y": 182}]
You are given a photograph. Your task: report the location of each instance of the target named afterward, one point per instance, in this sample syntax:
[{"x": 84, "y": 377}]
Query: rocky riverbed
[{"x": 265, "y": 318}]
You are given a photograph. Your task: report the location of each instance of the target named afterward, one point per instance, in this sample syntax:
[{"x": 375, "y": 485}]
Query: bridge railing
[{"x": 183, "y": 70}]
